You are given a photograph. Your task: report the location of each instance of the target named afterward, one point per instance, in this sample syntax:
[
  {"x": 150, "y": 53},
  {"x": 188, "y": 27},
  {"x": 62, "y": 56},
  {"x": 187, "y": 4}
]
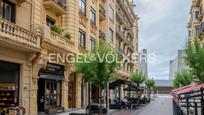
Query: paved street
[{"x": 160, "y": 106}]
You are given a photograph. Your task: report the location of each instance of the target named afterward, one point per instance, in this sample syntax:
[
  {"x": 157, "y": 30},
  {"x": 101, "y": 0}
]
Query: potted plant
[{"x": 57, "y": 29}]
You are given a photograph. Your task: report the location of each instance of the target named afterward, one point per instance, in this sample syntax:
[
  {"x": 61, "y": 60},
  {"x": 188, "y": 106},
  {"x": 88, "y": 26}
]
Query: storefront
[
  {"x": 9, "y": 85},
  {"x": 50, "y": 89}
]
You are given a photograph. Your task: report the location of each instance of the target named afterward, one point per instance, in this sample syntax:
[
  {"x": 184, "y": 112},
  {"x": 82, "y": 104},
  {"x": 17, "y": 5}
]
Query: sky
[{"x": 162, "y": 31}]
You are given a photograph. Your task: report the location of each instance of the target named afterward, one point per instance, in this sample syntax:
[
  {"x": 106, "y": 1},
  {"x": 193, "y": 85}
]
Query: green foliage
[
  {"x": 99, "y": 70},
  {"x": 182, "y": 79},
  {"x": 150, "y": 84},
  {"x": 195, "y": 60},
  {"x": 57, "y": 29},
  {"x": 67, "y": 35},
  {"x": 138, "y": 78}
]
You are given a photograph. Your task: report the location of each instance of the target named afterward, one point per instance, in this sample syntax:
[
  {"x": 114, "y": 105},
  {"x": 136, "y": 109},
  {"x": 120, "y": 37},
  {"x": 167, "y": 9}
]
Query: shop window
[
  {"x": 9, "y": 84},
  {"x": 82, "y": 42},
  {"x": 8, "y": 11}
]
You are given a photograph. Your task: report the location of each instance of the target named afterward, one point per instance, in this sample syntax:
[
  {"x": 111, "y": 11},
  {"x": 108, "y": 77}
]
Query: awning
[
  {"x": 181, "y": 88},
  {"x": 120, "y": 82},
  {"x": 52, "y": 77},
  {"x": 188, "y": 88},
  {"x": 131, "y": 89},
  {"x": 116, "y": 83}
]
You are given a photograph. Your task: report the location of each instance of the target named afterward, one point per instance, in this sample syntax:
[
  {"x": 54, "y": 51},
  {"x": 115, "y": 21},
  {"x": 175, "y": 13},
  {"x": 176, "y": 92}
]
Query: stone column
[
  {"x": 67, "y": 71},
  {"x": 78, "y": 90},
  {"x": 38, "y": 63}
]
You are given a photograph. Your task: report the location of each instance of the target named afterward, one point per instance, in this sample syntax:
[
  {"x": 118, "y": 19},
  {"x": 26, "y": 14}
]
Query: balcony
[
  {"x": 123, "y": 73},
  {"x": 121, "y": 18},
  {"x": 57, "y": 6},
  {"x": 200, "y": 17},
  {"x": 20, "y": 1},
  {"x": 103, "y": 1},
  {"x": 121, "y": 35},
  {"x": 102, "y": 35},
  {"x": 15, "y": 36},
  {"x": 82, "y": 19},
  {"x": 58, "y": 41},
  {"x": 131, "y": 46},
  {"x": 102, "y": 12},
  {"x": 201, "y": 30},
  {"x": 93, "y": 27},
  {"x": 125, "y": 9}
]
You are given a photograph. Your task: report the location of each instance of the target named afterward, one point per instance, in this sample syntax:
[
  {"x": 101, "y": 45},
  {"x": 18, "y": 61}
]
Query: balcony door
[{"x": 7, "y": 11}]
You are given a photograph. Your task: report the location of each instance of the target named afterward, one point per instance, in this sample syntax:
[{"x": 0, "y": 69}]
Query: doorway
[{"x": 72, "y": 91}]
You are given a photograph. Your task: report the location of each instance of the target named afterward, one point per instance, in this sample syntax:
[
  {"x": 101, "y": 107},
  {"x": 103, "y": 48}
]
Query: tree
[
  {"x": 182, "y": 79},
  {"x": 138, "y": 78},
  {"x": 150, "y": 85},
  {"x": 101, "y": 66},
  {"x": 195, "y": 60}
]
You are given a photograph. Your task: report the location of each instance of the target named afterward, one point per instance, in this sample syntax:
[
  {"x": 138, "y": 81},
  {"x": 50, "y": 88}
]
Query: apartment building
[
  {"x": 195, "y": 24},
  {"x": 31, "y": 30}
]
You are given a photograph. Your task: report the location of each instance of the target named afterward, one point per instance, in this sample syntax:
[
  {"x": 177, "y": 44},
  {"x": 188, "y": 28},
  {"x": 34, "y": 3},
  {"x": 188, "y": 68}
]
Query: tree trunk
[
  {"x": 100, "y": 102},
  {"x": 107, "y": 98},
  {"x": 89, "y": 98}
]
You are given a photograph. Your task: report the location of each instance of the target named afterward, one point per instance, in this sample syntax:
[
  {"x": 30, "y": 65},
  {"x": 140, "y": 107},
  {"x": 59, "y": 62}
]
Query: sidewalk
[
  {"x": 111, "y": 112},
  {"x": 82, "y": 111}
]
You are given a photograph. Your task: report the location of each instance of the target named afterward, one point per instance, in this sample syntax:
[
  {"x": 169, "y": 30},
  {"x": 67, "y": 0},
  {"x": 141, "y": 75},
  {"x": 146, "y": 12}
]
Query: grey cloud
[{"x": 162, "y": 31}]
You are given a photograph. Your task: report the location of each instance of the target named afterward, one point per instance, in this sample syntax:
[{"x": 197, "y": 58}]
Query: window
[
  {"x": 50, "y": 21},
  {"x": 93, "y": 15},
  {"x": 110, "y": 35},
  {"x": 197, "y": 30},
  {"x": 92, "y": 43},
  {"x": 111, "y": 13},
  {"x": 82, "y": 5},
  {"x": 8, "y": 11},
  {"x": 82, "y": 42},
  {"x": 196, "y": 14}
]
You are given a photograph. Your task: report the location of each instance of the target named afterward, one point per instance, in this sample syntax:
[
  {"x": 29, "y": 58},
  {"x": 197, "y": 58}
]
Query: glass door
[{"x": 52, "y": 94}]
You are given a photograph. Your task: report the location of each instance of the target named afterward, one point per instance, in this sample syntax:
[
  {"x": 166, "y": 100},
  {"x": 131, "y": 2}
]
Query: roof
[
  {"x": 188, "y": 88},
  {"x": 163, "y": 83}
]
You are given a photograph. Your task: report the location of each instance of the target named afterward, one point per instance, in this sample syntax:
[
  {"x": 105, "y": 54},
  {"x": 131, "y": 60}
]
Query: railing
[
  {"x": 61, "y": 3},
  {"x": 119, "y": 14},
  {"x": 124, "y": 7},
  {"x": 120, "y": 33},
  {"x": 102, "y": 10},
  {"x": 61, "y": 41},
  {"x": 19, "y": 34}
]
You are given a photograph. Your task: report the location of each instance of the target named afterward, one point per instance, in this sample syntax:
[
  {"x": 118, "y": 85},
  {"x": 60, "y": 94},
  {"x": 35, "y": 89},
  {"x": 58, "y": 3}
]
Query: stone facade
[
  {"x": 29, "y": 41},
  {"x": 195, "y": 25}
]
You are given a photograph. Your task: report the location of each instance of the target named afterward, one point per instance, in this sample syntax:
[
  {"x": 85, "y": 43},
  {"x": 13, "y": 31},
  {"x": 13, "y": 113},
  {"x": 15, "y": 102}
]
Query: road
[{"x": 160, "y": 106}]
